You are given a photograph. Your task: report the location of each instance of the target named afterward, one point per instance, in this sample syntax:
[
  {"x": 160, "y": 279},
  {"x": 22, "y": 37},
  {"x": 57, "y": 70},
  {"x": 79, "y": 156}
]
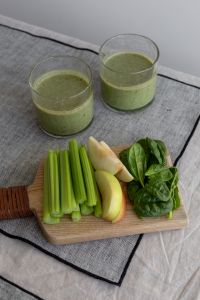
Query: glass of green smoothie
[
  {"x": 61, "y": 88},
  {"x": 128, "y": 64}
]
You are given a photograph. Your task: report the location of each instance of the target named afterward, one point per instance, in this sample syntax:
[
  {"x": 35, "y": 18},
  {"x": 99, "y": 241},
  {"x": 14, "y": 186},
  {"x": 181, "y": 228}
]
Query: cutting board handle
[{"x": 14, "y": 203}]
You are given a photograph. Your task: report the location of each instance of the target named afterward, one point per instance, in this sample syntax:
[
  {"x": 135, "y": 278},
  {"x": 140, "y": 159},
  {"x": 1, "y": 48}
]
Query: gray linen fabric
[
  {"x": 170, "y": 117},
  {"x": 12, "y": 292}
]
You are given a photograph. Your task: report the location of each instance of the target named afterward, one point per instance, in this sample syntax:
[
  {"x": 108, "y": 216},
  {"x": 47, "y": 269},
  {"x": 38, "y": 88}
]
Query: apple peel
[
  {"x": 122, "y": 212},
  {"x": 111, "y": 194}
]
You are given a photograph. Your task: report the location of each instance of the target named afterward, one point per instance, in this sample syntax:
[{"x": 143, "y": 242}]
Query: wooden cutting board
[{"x": 21, "y": 201}]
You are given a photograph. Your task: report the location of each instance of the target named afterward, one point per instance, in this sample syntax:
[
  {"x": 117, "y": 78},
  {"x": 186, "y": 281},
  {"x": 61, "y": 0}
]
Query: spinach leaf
[
  {"x": 143, "y": 196},
  {"x": 132, "y": 188},
  {"x": 123, "y": 155},
  {"x": 137, "y": 162},
  {"x": 144, "y": 144},
  {"x": 175, "y": 178},
  {"x": 176, "y": 199},
  {"x": 158, "y": 189},
  {"x": 163, "y": 175},
  {"x": 146, "y": 205},
  {"x": 153, "y": 169},
  {"x": 162, "y": 147},
  {"x": 158, "y": 150},
  {"x": 173, "y": 186}
]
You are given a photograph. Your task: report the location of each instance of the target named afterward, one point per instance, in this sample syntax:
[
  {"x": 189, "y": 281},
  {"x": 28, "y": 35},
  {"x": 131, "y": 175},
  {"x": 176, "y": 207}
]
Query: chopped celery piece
[
  {"x": 98, "y": 208},
  {"x": 68, "y": 203},
  {"x": 54, "y": 184},
  {"x": 89, "y": 182},
  {"x": 77, "y": 208},
  {"x": 76, "y": 215},
  {"x": 47, "y": 219},
  {"x": 86, "y": 210},
  {"x": 77, "y": 176}
]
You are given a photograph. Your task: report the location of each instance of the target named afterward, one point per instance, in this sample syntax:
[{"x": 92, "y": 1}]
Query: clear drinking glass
[
  {"x": 61, "y": 88},
  {"x": 128, "y": 64}
]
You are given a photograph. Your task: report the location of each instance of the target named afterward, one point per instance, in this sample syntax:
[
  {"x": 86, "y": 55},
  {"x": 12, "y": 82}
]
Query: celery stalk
[
  {"x": 86, "y": 210},
  {"x": 77, "y": 176},
  {"x": 98, "y": 208},
  {"x": 54, "y": 184},
  {"x": 77, "y": 208},
  {"x": 76, "y": 215},
  {"x": 68, "y": 203},
  {"x": 89, "y": 182},
  {"x": 47, "y": 219}
]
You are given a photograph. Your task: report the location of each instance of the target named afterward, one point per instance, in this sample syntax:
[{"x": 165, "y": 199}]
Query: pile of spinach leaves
[{"x": 154, "y": 190}]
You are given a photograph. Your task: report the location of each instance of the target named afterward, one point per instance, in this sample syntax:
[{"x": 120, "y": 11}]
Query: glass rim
[
  {"x": 129, "y": 34},
  {"x": 45, "y": 59}
]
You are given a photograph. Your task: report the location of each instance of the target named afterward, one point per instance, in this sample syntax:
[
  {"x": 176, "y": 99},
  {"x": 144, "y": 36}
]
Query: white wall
[{"x": 173, "y": 24}]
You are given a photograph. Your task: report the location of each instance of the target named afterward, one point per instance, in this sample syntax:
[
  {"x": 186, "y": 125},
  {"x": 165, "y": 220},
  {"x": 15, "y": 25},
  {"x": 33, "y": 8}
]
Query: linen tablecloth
[{"x": 165, "y": 265}]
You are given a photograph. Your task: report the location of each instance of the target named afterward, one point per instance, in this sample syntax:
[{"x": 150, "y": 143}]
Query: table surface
[{"x": 165, "y": 266}]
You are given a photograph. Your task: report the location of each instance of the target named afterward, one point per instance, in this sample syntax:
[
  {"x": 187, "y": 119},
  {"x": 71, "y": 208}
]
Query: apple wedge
[
  {"x": 122, "y": 212},
  {"x": 111, "y": 193},
  {"x": 102, "y": 157},
  {"x": 124, "y": 175}
]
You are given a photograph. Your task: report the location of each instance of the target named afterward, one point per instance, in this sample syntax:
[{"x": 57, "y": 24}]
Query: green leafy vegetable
[
  {"x": 176, "y": 199},
  {"x": 157, "y": 150},
  {"x": 175, "y": 178},
  {"x": 147, "y": 205},
  {"x": 144, "y": 144},
  {"x": 137, "y": 162},
  {"x": 123, "y": 155},
  {"x": 164, "y": 175},
  {"x": 162, "y": 148},
  {"x": 154, "y": 169},
  {"x": 158, "y": 189},
  {"x": 172, "y": 185},
  {"x": 132, "y": 189},
  {"x": 154, "y": 190}
]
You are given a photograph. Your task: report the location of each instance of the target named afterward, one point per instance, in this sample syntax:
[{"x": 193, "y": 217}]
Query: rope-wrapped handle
[{"x": 14, "y": 203}]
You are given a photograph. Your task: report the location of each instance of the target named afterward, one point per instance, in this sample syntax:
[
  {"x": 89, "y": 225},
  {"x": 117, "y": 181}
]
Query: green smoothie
[
  {"x": 63, "y": 101},
  {"x": 128, "y": 80}
]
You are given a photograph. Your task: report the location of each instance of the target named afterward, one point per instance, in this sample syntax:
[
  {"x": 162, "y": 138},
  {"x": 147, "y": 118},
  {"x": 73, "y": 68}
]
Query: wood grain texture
[{"x": 92, "y": 228}]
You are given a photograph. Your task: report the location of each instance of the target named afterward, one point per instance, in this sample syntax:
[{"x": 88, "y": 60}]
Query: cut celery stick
[
  {"x": 88, "y": 178},
  {"x": 47, "y": 219},
  {"x": 54, "y": 184},
  {"x": 77, "y": 208},
  {"x": 77, "y": 176},
  {"x": 76, "y": 215},
  {"x": 68, "y": 203},
  {"x": 86, "y": 210},
  {"x": 98, "y": 208}
]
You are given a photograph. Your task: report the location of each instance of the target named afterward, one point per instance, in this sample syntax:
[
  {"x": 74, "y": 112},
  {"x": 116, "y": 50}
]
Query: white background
[{"x": 173, "y": 24}]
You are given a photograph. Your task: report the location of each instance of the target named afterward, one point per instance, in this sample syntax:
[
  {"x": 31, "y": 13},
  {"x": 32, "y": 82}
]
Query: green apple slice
[
  {"x": 124, "y": 175},
  {"x": 102, "y": 157},
  {"x": 111, "y": 193}
]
